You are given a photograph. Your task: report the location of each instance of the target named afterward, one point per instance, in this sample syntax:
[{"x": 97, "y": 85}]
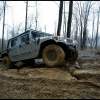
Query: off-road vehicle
[{"x": 32, "y": 44}]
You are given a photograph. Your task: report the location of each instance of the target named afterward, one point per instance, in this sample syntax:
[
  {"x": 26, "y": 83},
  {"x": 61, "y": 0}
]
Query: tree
[
  {"x": 60, "y": 18},
  {"x": 78, "y": 15},
  {"x": 4, "y": 8},
  {"x": 36, "y": 17},
  {"x": 13, "y": 31},
  {"x": 45, "y": 28},
  {"x": 26, "y": 15},
  {"x": 30, "y": 22},
  {"x": 92, "y": 29},
  {"x": 86, "y": 14},
  {"x": 69, "y": 18},
  {"x": 1, "y": 9},
  {"x": 64, "y": 30},
  {"x": 97, "y": 30},
  {"x": 83, "y": 9},
  {"x": 76, "y": 26}
]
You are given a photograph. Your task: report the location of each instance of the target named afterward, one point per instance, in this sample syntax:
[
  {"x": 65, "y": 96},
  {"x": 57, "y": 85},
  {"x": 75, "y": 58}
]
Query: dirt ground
[{"x": 66, "y": 82}]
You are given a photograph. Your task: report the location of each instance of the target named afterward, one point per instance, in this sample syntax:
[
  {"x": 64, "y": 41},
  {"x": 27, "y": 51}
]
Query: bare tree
[
  {"x": 86, "y": 14},
  {"x": 78, "y": 13},
  {"x": 76, "y": 26},
  {"x": 45, "y": 28},
  {"x": 18, "y": 28},
  {"x": 64, "y": 19},
  {"x": 36, "y": 17},
  {"x": 13, "y": 31},
  {"x": 55, "y": 29},
  {"x": 4, "y": 8},
  {"x": 81, "y": 25},
  {"x": 26, "y": 15},
  {"x": 60, "y": 18},
  {"x": 1, "y": 9},
  {"x": 83, "y": 9},
  {"x": 97, "y": 30},
  {"x": 76, "y": 31},
  {"x": 69, "y": 18},
  {"x": 31, "y": 22},
  {"x": 92, "y": 29}
]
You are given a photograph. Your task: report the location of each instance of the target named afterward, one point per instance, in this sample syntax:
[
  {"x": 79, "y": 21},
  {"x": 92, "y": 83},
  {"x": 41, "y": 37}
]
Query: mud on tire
[{"x": 53, "y": 55}]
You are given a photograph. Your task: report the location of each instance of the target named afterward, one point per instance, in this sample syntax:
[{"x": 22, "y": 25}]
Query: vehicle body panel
[{"x": 30, "y": 49}]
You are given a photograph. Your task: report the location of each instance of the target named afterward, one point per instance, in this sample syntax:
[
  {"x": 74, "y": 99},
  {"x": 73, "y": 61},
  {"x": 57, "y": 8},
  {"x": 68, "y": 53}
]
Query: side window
[
  {"x": 14, "y": 42},
  {"x": 41, "y": 34},
  {"x": 35, "y": 34},
  {"x": 25, "y": 39}
]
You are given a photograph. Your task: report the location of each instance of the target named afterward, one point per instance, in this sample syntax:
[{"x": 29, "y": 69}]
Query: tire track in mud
[
  {"x": 42, "y": 87},
  {"x": 26, "y": 80},
  {"x": 47, "y": 88}
]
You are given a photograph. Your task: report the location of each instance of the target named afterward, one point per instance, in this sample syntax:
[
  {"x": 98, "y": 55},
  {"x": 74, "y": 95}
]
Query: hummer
[{"x": 32, "y": 44}]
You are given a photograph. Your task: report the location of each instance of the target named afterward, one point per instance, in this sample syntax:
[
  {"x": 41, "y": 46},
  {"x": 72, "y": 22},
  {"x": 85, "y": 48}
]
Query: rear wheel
[
  {"x": 53, "y": 55},
  {"x": 7, "y": 62}
]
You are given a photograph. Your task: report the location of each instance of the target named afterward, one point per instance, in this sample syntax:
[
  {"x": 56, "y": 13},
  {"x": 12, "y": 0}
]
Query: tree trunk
[
  {"x": 92, "y": 30},
  {"x": 36, "y": 16},
  {"x": 76, "y": 30},
  {"x": 81, "y": 38},
  {"x": 97, "y": 30},
  {"x": 69, "y": 18},
  {"x": 60, "y": 18},
  {"x": 64, "y": 19},
  {"x": 84, "y": 37},
  {"x": 4, "y": 8},
  {"x": 26, "y": 15},
  {"x": 87, "y": 10}
]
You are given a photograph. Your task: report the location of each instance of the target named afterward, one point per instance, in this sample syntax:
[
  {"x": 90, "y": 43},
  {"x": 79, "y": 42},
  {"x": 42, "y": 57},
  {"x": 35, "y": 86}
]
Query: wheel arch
[
  {"x": 63, "y": 45},
  {"x": 44, "y": 44}
]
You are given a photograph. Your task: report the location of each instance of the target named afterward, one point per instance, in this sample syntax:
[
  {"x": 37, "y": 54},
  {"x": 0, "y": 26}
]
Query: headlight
[
  {"x": 69, "y": 40},
  {"x": 56, "y": 38},
  {"x": 65, "y": 40},
  {"x": 75, "y": 42}
]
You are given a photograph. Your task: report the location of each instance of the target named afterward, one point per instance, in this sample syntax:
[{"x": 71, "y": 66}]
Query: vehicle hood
[{"x": 65, "y": 40}]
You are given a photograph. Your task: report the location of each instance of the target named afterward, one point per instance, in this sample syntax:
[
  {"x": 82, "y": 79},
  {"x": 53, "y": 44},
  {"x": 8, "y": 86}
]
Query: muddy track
[
  {"x": 13, "y": 87},
  {"x": 52, "y": 83},
  {"x": 47, "y": 88}
]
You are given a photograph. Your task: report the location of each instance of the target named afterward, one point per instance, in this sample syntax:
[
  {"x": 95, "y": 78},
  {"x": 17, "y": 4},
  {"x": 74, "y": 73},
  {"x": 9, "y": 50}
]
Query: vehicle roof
[{"x": 28, "y": 31}]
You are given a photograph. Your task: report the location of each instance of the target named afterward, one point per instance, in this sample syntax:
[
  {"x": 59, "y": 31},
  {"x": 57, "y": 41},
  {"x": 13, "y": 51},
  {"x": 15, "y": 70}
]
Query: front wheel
[{"x": 53, "y": 55}]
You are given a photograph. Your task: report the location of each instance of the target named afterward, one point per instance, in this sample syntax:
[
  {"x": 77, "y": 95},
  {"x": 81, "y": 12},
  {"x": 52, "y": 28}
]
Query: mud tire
[
  {"x": 7, "y": 62},
  {"x": 53, "y": 55}
]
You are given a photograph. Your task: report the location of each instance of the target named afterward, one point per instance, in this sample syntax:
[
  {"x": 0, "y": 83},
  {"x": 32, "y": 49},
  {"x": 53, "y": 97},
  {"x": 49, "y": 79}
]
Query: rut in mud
[{"x": 38, "y": 81}]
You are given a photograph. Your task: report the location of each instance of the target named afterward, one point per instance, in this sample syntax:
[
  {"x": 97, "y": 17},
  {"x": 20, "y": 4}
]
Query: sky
[{"x": 47, "y": 15}]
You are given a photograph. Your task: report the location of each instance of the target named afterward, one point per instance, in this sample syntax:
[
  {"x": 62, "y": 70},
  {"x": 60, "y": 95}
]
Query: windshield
[{"x": 40, "y": 34}]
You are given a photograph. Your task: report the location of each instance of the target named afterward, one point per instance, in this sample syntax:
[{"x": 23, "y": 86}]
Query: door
[
  {"x": 25, "y": 50},
  {"x": 35, "y": 43},
  {"x": 13, "y": 49}
]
